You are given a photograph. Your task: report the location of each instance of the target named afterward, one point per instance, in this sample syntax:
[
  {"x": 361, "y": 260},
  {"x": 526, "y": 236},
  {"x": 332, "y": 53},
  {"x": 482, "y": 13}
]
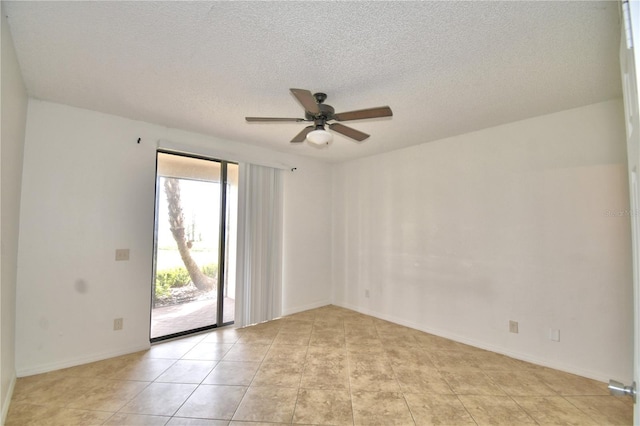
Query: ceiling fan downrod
[{"x": 320, "y": 97}]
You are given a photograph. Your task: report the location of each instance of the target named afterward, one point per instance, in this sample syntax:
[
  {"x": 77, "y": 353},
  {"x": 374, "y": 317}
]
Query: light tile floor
[{"x": 327, "y": 366}]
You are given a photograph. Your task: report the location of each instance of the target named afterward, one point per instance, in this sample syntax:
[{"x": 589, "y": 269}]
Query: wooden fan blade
[
  {"x": 300, "y": 137},
  {"x": 273, "y": 119},
  {"x": 348, "y": 131},
  {"x": 307, "y": 100},
  {"x": 361, "y": 114}
]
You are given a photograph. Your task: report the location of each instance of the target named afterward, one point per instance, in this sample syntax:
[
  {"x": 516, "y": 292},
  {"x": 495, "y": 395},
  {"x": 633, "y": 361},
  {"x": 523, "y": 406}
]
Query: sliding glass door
[{"x": 195, "y": 245}]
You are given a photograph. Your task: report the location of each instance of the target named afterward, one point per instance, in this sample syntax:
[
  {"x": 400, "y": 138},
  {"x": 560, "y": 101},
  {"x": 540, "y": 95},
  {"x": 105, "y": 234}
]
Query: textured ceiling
[{"x": 445, "y": 68}]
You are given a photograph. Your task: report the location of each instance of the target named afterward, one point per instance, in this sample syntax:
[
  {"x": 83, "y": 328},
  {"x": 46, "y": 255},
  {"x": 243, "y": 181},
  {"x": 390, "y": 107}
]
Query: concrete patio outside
[{"x": 187, "y": 316}]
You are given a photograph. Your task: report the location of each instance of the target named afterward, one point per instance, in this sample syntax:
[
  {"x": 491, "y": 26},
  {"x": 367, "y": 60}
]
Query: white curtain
[{"x": 259, "y": 267}]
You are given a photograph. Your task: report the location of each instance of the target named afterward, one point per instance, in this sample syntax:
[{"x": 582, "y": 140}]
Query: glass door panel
[{"x": 189, "y": 261}]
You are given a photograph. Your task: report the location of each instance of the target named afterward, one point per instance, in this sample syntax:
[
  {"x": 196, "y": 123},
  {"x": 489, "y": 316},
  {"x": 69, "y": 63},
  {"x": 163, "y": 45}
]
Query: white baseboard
[
  {"x": 46, "y": 368},
  {"x": 481, "y": 345},
  {"x": 7, "y": 400},
  {"x": 296, "y": 309}
]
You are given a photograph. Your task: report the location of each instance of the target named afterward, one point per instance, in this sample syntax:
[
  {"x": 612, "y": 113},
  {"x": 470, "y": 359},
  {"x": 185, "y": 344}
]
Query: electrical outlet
[
  {"x": 122, "y": 254},
  {"x": 554, "y": 334},
  {"x": 118, "y": 324},
  {"x": 513, "y": 326},
  {"x": 366, "y": 293}
]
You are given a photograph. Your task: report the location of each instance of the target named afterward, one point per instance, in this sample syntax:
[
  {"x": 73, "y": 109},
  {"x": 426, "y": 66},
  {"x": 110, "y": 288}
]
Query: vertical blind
[{"x": 259, "y": 267}]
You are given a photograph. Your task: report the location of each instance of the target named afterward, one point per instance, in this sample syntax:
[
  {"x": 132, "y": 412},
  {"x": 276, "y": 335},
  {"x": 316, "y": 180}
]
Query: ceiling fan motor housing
[{"x": 326, "y": 113}]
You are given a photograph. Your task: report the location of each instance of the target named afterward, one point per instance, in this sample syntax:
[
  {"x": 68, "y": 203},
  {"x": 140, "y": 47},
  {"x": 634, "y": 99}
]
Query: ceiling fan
[{"x": 316, "y": 111}]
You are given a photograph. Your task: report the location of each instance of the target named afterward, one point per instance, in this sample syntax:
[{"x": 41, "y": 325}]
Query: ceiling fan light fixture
[{"x": 319, "y": 137}]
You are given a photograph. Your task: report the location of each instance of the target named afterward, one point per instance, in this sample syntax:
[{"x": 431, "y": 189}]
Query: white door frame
[{"x": 630, "y": 39}]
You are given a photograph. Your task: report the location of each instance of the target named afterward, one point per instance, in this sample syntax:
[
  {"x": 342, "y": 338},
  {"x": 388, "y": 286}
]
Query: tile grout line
[
  {"x": 252, "y": 378},
  {"x": 119, "y": 411},
  {"x": 353, "y": 410},
  {"x": 197, "y": 384},
  {"x": 247, "y": 387},
  {"x": 304, "y": 367}
]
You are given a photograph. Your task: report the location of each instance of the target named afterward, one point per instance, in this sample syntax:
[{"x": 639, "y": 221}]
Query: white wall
[
  {"x": 307, "y": 220},
  {"x": 14, "y": 117},
  {"x": 88, "y": 189},
  {"x": 461, "y": 235}
]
